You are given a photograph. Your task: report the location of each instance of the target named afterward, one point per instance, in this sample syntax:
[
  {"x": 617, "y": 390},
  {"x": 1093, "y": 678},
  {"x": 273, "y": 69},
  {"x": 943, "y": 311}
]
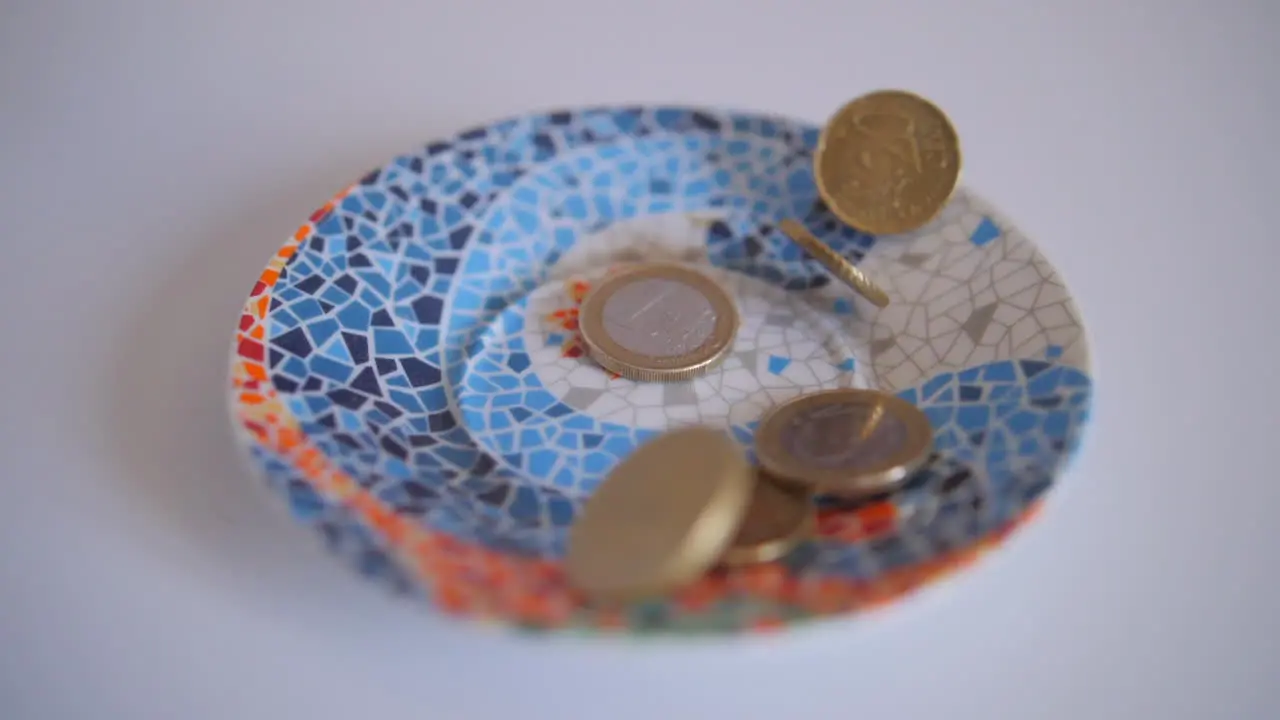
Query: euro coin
[
  {"x": 845, "y": 271},
  {"x": 658, "y": 322},
  {"x": 847, "y": 442},
  {"x": 661, "y": 518},
  {"x": 777, "y": 520},
  {"x": 887, "y": 162}
]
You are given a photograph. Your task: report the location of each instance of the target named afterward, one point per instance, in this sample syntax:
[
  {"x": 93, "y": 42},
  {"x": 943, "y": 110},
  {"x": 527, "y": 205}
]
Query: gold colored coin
[
  {"x": 844, "y": 270},
  {"x": 663, "y": 517},
  {"x": 847, "y": 442},
  {"x": 658, "y": 321},
  {"x": 887, "y": 162},
  {"x": 777, "y": 520}
]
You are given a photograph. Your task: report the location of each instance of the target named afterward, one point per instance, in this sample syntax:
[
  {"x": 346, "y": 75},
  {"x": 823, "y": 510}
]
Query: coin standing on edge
[
  {"x": 845, "y": 271},
  {"x": 662, "y": 518},
  {"x": 847, "y": 442},
  {"x": 887, "y": 162},
  {"x": 777, "y": 520},
  {"x": 659, "y": 321}
]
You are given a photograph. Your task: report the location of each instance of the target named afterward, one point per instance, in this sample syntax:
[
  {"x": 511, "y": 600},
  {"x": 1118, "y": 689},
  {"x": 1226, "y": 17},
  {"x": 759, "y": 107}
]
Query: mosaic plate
[{"x": 407, "y": 372}]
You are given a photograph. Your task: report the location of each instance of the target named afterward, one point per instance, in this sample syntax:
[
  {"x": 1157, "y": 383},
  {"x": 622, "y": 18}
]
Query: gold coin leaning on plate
[
  {"x": 849, "y": 442},
  {"x": 887, "y": 162},
  {"x": 845, "y": 271},
  {"x": 662, "y": 518},
  {"x": 777, "y": 520},
  {"x": 658, "y": 322}
]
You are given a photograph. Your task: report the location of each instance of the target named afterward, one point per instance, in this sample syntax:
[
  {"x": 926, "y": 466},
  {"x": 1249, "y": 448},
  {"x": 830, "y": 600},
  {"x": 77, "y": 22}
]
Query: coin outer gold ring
[
  {"x": 612, "y": 356},
  {"x": 777, "y": 547},
  {"x": 662, "y": 518},
  {"x": 850, "y": 215},
  {"x": 790, "y": 470},
  {"x": 845, "y": 271}
]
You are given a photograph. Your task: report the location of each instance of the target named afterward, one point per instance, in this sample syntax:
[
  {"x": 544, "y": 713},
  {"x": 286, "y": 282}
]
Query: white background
[{"x": 154, "y": 154}]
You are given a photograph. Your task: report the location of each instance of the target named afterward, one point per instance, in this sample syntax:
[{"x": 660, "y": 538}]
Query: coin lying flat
[
  {"x": 844, "y": 270},
  {"x": 847, "y": 442},
  {"x": 658, "y": 321},
  {"x": 777, "y": 520},
  {"x": 887, "y": 162},
  {"x": 663, "y": 517}
]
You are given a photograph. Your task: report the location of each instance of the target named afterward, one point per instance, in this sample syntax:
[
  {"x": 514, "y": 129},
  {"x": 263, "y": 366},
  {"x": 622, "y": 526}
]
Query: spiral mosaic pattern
[{"x": 407, "y": 375}]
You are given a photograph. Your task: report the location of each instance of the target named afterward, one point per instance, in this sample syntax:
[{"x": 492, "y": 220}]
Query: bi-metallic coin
[
  {"x": 659, "y": 321},
  {"x": 887, "y": 162},
  {"x": 847, "y": 442}
]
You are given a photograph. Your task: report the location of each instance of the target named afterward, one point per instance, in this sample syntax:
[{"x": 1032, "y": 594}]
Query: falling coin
[
  {"x": 662, "y": 518},
  {"x": 658, "y": 321},
  {"x": 844, "y": 270},
  {"x": 887, "y": 162},
  {"x": 847, "y": 442},
  {"x": 777, "y": 520}
]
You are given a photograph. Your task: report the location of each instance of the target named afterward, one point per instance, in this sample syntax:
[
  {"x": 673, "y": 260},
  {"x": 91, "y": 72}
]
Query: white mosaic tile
[{"x": 785, "y": 346}]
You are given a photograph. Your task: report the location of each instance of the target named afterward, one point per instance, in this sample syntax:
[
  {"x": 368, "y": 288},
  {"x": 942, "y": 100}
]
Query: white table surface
[{"x": 153, "y": 155}]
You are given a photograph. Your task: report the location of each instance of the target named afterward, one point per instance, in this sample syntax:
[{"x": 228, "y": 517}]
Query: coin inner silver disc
[
  {"x": 837, "y": 437},
  {"x": 658, "y": 317}
]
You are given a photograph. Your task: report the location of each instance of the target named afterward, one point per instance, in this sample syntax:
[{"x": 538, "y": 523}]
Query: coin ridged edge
[
  {"x": 641, "y": 374},
  {"x": 839, "y": 266},
  {"x": 607, "y": 353},
  {"x": 860, "y": 223},
  {"x": 771, "y": 456}
]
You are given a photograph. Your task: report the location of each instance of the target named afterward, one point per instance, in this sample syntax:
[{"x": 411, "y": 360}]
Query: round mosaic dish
[{"x": 407, "y": 372}]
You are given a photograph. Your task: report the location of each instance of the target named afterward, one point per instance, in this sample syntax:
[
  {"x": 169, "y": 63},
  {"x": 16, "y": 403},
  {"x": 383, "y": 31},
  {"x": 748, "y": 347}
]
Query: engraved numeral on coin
[
  {"x": 895, "y": 134},
  {"x": 888, "y": 162},
  {"x": 933, "y": 140}
]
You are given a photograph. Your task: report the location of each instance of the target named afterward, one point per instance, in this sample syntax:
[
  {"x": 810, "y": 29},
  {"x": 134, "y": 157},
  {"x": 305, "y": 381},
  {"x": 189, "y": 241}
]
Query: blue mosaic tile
[
  {"x": 985, "y": 232},
  {"x": 395, "y": 332}
]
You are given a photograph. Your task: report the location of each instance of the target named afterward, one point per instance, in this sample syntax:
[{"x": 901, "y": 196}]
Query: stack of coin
[
  {"x": 886, "y": 163},
  {"x": 689, "y": 501},
  {"x": 675, "y": 508}
]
